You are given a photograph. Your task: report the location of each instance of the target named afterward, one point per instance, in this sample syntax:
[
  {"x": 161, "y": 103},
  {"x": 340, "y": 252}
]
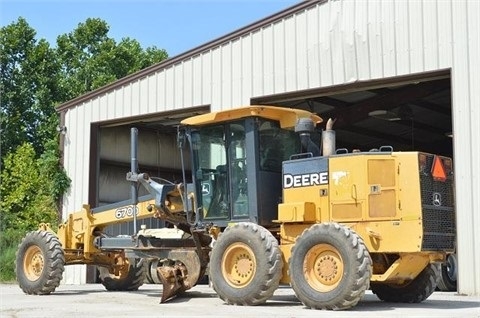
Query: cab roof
[{"x": 287, "y": 117}]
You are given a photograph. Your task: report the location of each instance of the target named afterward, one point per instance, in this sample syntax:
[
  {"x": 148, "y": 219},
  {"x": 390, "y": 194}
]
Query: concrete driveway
[{"x": 92, "y": 300}]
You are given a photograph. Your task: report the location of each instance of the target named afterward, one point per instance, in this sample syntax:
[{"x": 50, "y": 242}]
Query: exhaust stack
[
  {"x": 134, "y": 171},
  {"x": 328, "y": 139}
]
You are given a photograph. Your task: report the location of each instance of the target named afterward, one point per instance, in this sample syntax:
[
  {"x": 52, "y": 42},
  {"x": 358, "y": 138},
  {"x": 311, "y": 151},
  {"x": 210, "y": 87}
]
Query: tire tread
[
  {"x": 54, "y": 263},
  {"x": 270, "y": 248},
  {"x": 363, "y": 266}
]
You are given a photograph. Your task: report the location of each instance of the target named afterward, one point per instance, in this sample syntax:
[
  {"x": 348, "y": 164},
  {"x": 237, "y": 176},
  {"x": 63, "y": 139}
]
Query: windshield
[{"x": 221, "y": 169}]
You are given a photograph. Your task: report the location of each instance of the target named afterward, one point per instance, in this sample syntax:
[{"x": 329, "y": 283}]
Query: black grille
[{"x": 438, "y": 206}]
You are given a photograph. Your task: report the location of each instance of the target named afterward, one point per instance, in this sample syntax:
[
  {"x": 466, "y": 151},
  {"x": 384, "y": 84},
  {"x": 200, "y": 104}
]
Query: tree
[
  {"x": 90, "y": 59},
  {"x": 28, "y": 84},
  {"x": 25, "y": 200},
  {"x": 34, "y": 78}
]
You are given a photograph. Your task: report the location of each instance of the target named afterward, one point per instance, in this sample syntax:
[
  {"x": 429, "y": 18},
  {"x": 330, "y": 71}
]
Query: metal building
[{"x": 413, "y": 64}]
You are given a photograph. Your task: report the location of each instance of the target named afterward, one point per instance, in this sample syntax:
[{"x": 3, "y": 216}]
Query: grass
[
  {"x": 9, "y": 241},
  {"x": 7, "y": 264}
]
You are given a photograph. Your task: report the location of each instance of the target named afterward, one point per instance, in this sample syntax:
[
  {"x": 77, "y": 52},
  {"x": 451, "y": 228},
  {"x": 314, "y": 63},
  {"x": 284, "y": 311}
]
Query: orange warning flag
[{"x": 438, "y": 170}]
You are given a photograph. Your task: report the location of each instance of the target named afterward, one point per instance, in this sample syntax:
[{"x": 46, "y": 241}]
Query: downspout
[{"x": 62, "y": 130}]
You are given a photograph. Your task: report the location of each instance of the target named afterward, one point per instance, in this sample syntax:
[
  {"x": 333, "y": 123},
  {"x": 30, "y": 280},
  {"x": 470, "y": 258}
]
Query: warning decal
[{"x": 438, "y": 170}]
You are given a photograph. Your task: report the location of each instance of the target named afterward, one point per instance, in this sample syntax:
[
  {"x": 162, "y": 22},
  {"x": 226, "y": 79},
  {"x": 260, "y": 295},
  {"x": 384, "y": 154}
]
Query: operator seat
[
  {"x": 272, "y": 159},
  {"x": 219, "y": 205}
]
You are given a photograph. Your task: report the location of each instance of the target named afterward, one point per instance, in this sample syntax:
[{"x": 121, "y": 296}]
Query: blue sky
[{"x": 173, "y": 25}]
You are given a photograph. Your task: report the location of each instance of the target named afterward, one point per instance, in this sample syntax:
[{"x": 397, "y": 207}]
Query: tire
[
  {"x": 40, "y": 262},
  {"x": 414, "y": 291},
  {"x": 448, "y": 274},
  {"x": 245, "y": 265},
  {"x": 148, "y": 273},
  {"x": 130, "y": 278},
  {"x": 330, "y": 267}
]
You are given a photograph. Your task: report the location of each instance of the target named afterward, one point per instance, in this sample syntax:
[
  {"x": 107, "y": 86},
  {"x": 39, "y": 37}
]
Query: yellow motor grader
[{"x": 266, "y": 205}]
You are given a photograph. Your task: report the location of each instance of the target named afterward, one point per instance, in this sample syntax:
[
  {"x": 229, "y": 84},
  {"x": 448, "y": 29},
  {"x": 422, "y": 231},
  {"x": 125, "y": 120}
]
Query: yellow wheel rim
[
  {"x": 33, "y": 263},
  {"x": 238, "y": 265},
  {"x": 323, "y": 267}
]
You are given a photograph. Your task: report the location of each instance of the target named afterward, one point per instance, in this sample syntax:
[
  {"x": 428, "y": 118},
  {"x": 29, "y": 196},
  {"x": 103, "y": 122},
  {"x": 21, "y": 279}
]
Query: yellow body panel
[
  {"x": 377, "y": 195},
  {"x": 383, "y": 192},
  {"x": 318, "y": 198},
  {"x": 407, "y": 267},
  {"x": 390, "y": 236},
  {"x": 298, "y": 212}
]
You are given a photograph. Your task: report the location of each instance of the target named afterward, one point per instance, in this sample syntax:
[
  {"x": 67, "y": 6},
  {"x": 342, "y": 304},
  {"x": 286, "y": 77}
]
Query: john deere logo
[
  {"x": 205, "y": 188},
  {"x": 437, "y": 199},
  {"x": 304, "y": 180}
]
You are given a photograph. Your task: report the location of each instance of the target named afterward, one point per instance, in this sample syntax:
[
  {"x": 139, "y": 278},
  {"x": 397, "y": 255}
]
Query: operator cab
[{"x": 237, "y": 162}]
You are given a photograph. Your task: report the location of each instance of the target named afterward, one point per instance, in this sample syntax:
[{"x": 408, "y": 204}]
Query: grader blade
[
  {"x": 173, "y": 280},
  {"x": 177, "y": 273}
]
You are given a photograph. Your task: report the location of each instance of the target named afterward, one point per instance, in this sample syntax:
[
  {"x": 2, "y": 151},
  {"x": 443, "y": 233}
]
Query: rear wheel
[
  {"x": 414, "y": 291},
  {"x": 130, "y": 276},
  {"x": 330, "y": 267},
  {"x": 40, "y": 262},
  {"x": 448, "y": 274},
  {"x": 245, "y": 265},
  {"x": 149, "y": 278}
]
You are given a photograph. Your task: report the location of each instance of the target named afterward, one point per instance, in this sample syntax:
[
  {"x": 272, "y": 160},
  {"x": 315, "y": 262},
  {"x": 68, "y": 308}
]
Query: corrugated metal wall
[
  {"x": 465, "y": 32},
  {"x": 328, "y": 43}
]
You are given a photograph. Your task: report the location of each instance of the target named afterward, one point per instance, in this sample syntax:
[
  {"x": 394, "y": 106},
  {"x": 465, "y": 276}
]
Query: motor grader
[{"x": 267, "y": 202}]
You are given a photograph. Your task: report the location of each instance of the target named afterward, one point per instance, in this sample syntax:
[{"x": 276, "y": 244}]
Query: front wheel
[
  {"x": 39, "y": 263},
  {"x": 414, "y": 291},
  {"x": 330, "y": 267},
  {"x": 245, "y": 265}
]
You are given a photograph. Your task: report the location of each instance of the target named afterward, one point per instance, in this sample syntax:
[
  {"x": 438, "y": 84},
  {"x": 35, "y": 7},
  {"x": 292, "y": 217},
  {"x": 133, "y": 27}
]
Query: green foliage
[
  {"x": 30, "y": 188},
  {"x": 50, "y": 169},
  {"x": 34, "y": 78},
  {"x": 28, "y": 86},
  {"x": 90, "y": 59},
  {"x": 7, "y": 261},
  {"x": 9, "y": 240}
]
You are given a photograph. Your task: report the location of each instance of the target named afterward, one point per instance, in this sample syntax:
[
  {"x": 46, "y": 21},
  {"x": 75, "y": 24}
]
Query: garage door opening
[
  {"x": 158, "y": 154},
  {"x": 408, "y": 113}
]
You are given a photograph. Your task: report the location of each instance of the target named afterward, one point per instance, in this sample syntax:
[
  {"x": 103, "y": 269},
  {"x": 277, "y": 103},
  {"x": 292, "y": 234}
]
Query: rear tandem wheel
[
  {"x": 39, "y": 263},
  {"x": 414, "y": 291},
  {"x": 330, "y": 267},
  {"x": 448, "y": 274}
]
